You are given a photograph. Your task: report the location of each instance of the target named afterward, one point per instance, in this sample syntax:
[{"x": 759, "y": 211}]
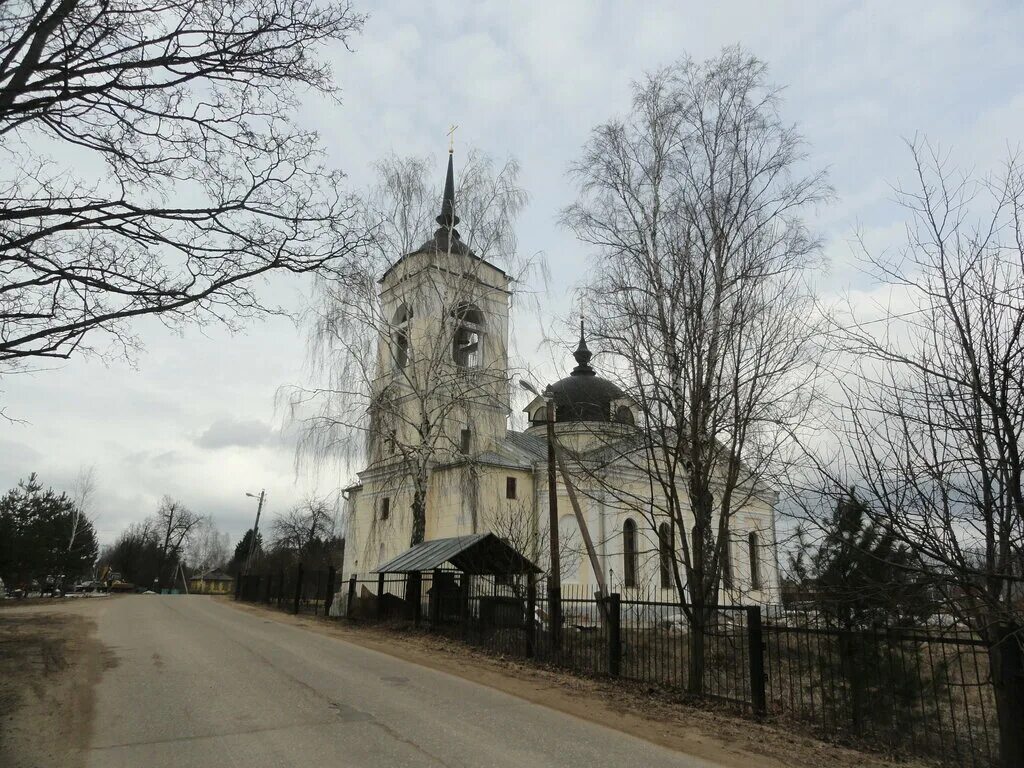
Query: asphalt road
[{"x": 199, "y": 683}]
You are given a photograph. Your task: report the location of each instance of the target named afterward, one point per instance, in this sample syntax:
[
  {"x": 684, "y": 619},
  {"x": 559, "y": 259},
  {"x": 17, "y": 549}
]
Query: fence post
[
  {"x": 280, "y": 587},
  {"x": 380, "y": 596},
  {"x": 531, "y": 612},
  {"x": 614, "y": 634},
  {"x": 329, "y": 597},
  {"x": 351, "y": 596},
  {"x": 435, "y": 600},
  {"x": 298, "y": 588},
  {"x": 755, "y": 652},
  {"x": 416, "y": 595}
]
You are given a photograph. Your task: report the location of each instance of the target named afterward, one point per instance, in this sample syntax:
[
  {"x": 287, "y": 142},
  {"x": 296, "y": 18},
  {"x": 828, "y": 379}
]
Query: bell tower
[{"x": 443, "y": 361}]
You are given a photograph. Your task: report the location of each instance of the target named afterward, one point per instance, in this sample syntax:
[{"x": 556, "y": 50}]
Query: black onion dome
[{"x": 583, "y": 395}]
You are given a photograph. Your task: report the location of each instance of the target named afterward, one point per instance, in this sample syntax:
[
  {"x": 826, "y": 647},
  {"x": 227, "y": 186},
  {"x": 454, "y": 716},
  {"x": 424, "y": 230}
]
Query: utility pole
[
  {"x": 255, "y": 529},
  {"x": 554, "y": 575}
]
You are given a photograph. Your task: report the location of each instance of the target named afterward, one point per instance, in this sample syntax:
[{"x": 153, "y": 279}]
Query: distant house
[{"x": 215, "y": 582}]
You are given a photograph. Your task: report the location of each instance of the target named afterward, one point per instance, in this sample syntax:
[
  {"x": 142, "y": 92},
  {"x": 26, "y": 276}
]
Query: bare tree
[
  {"x": 175, "y": 525},
  {"x": 383, "y": 385},
  {"x": 527, "y": 533},
  {"x": 693, "y": 205},
  {"x": 932, "y": 408},
  {"x": 150, "y": 165},
  {"x": 207, "y": 547},
  {"x": 305, "y": 528}
]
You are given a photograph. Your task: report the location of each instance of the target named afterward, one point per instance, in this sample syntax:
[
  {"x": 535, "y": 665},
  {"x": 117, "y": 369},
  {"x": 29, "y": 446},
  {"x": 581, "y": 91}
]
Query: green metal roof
[{"x": 477, "y": 553}]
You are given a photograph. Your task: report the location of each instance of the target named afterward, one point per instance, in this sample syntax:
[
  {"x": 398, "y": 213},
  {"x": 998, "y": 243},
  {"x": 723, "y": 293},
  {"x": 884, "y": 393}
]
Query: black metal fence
[
  {"x": 915, "y": 692},
  {"x": 918, "y": 691},
  {"x": 294, "y": 589}
]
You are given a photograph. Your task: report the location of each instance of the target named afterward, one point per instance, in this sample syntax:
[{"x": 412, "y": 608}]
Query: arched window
[
  {"x": 755, "y": 563},
  {"x": 540, "y": 416},
  {"x": 665, "y": 555},
  {"x": 629, "y": 560},
  {"x": 400, "y": 335},
  {"x": 624, "y": 415},
  {"x": 467, "y": 341}
]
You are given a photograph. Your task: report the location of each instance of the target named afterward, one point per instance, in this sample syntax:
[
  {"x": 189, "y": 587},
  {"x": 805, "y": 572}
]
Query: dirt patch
[
  {"x": 652, "y": 714},
  {"x": 49, "y": 663},
  {"x": 27, "y": 602}
]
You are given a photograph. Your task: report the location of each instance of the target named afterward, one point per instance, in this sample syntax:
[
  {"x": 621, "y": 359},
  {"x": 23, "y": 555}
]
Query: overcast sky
[{"x": 195, "y": 416}]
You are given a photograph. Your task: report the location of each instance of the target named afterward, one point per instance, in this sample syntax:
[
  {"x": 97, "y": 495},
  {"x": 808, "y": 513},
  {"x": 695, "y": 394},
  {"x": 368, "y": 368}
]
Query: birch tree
[{"x": 693, "y": 207}]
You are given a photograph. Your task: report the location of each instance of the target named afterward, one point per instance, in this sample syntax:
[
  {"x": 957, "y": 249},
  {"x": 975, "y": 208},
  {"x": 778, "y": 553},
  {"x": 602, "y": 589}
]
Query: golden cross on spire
[{"x": 451, "y": 138}]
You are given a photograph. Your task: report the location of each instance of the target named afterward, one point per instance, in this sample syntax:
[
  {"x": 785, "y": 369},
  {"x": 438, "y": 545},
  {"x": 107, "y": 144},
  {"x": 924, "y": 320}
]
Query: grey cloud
[
  {"x": 17, "y": 458},
  {"x": 246, "y": 433}
]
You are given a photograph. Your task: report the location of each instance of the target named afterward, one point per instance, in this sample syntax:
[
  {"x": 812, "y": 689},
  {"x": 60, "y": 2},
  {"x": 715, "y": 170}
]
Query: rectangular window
[
  {"x": 727, "y": 563},
  {"x": 464, "y": 440},
  {"x": 385, "y": 508},
  {"x": 755, "y": 565},
  {"x": 510, "y": 488}
]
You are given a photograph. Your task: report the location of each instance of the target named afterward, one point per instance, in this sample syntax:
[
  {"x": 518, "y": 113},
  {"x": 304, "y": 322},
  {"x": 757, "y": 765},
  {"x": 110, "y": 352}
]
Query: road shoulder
[
  {"x": 50, "y": 662},
  {"x": 638, "y": 710}
]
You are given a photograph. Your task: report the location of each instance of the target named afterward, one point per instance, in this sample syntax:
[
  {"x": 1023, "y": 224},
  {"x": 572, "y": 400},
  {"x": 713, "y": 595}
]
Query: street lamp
[
  {"x": 255, "y": 528},
  {"x": 554, "y": 577}
]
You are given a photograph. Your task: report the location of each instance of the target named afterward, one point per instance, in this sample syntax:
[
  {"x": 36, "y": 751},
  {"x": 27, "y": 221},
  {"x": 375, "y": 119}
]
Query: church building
[{"x": 443, "y": 462}]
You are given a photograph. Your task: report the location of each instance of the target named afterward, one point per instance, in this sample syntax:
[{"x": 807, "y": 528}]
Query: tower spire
[
  {"x": 582, "y": 355},
  {"x": 448, "y": 219}
]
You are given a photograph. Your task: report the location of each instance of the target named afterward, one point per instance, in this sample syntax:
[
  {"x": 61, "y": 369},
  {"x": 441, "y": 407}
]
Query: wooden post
[
  {"x": 298, "y": 589},
  {"x": 581, "y": 521},
  {"x": 280, "y": 587},
  {"x": 464, "y": 603},
  {"x": 614, "y": 634},
  {"x": 380, "y": 596},
  {"x": 755, "y": 648},
  {"x": 351, "y": 596},
  {"x": 531, "y": 613}
]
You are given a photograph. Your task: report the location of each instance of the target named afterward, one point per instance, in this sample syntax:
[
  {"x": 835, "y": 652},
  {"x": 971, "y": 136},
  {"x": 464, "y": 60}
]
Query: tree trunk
[
  {"x": 1006, "y": 662},
  {"x": 419, "y": 518},
  {"x": 695, "y": 664}
]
